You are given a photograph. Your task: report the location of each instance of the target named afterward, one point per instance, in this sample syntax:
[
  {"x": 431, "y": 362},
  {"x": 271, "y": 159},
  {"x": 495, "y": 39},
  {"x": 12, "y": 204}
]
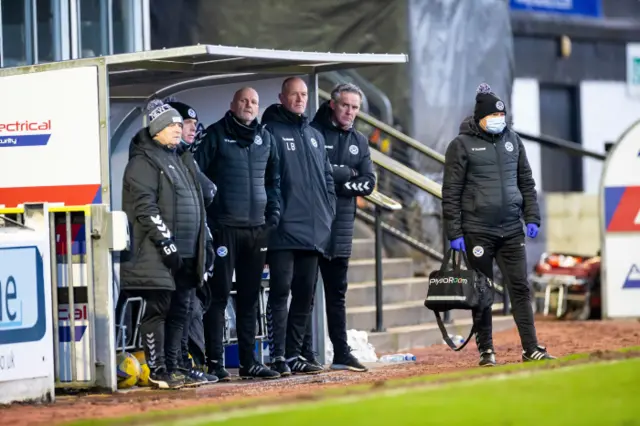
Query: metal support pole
[{"x": 379, "y": 295}]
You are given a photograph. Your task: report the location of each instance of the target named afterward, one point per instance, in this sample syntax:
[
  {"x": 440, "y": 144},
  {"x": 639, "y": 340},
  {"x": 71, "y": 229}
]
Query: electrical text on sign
[{"x": 25, "y": 133}]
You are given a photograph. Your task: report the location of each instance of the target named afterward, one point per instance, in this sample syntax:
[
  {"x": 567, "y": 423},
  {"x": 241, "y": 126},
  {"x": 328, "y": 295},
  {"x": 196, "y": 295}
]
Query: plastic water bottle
[
  {"x": 398, "y": 358},
  {"x": 457, "y": 339}
]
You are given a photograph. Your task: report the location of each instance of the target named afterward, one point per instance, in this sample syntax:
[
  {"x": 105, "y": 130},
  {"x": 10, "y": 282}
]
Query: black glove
[
  {"x": 170, "y": 256},
  {"x": 270, "y": 224},
  {"x": 341, "y": 174}
]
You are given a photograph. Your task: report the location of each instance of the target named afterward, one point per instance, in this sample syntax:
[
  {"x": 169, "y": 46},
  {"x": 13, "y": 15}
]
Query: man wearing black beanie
[{"x": 488, "y": 195}]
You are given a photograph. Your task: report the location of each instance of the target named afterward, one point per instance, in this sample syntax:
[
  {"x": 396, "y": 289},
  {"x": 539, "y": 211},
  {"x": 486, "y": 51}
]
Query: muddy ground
[{"x": 562, "y": 338}]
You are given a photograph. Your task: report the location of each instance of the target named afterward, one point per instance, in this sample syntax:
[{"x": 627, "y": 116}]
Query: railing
[
  {"x": 72, "y": 291},
  {"x": 563, "y": 145},
  {"x": 382, "y": 204}
]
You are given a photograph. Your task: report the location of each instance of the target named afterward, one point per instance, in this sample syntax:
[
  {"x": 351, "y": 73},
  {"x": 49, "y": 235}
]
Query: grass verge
[
  {"x": 196, "y": 411},
  {"x": 601, "y": 393}
]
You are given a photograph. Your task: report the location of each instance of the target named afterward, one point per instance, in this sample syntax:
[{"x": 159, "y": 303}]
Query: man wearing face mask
[
  {"x": 163, "y": 200},
  {"x": 240, "y": 157},
  {"x": 488, "y": 196}
]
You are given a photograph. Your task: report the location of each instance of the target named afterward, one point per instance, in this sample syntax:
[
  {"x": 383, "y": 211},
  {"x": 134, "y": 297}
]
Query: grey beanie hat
[{"x": 160, "y": 116}]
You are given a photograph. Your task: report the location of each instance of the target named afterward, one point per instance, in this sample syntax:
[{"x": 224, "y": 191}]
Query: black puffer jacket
[
  {"x": 162, "y": 198},
  {"x": 308, "y": 199},
  {"x": 243, "y": 163},
  {"x": 350, "y": 159},
  {"x": 488, "y": 187}
]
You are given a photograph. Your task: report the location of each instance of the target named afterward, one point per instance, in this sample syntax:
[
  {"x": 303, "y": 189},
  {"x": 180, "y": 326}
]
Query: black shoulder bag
[{"x": 453, "y": 288}]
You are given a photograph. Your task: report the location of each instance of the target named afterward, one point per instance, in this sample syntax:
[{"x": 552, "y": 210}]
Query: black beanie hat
[
  {"x": 183, "y": 109},
  {"x": 487, "y": 103}
]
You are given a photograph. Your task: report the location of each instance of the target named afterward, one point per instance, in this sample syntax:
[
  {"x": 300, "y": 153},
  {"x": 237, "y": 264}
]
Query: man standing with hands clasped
[
  {"x": 487, "y": 193},
  {"x": 240, "y": 157},
  {"x": 304, "y": 232}
]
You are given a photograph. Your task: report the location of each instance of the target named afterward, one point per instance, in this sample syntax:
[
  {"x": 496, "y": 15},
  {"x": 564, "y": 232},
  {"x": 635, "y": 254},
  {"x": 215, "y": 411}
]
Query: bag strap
[
  {"x": 465, "y": 259},
  {"x": 446, "y": 337},
  {"x": 447, "y": 258}
]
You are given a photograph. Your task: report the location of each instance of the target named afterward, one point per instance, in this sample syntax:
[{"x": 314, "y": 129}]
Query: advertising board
[
  {"x": 26, "y": 341},
  {"x": 49, "y": 137},
  {"x": 590, "y": 8},
  {"x": 620, "y": 201}
]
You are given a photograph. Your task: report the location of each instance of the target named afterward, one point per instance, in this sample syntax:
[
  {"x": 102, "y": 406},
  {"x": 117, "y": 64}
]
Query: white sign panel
[
  {"x": 50, "y": 137},
  {"x": 633, "y": 69},
  {"x": 26, "y": 341},
  {"x": 621, "y": 226}
]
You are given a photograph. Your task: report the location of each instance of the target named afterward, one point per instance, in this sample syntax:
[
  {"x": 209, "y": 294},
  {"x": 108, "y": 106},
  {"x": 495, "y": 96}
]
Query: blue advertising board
[{"x": 590, "y": 8}]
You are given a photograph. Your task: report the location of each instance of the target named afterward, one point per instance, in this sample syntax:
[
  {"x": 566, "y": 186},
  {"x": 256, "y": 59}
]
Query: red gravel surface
[{"x": 561, "y": 337}]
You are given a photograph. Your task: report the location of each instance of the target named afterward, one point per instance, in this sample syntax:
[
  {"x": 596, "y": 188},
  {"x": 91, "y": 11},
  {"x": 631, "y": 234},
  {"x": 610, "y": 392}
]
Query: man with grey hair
[{"x": 348, "y": 151}]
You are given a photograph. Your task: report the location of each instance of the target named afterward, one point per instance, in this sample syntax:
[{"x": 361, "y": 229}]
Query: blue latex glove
[
  {"x": 532, "y": 230},
  {"x": 458, "y": 244}
]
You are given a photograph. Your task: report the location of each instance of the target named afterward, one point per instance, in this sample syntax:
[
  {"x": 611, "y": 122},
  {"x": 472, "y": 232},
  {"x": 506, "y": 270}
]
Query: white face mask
[{"x": 495, "y": 125}]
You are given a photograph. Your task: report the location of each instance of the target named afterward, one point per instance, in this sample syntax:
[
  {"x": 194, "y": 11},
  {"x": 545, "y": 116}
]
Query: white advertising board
[
  {"x": 49, "y": 137},
  {"x": 26, "y": 340},
  {"x": 620, "y": 201}
]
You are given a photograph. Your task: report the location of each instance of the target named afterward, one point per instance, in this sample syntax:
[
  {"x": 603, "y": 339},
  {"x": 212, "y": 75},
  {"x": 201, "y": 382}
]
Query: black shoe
[
  {"x": 193, "y": 378},
  {"x": 300, "y": 365},
  {"x": 161, "y": 379},
  {"x": 215, "y": 368},
  {"x": 258, "y": 371},
  {"x": 280, "y": 366},
  {"x": 487, "y": 358},
  {"x": 348, "y": 362},
  {"x": 211, "y": 378},
  {"x": 539, "y": 353},
  {"x": 311, "y": 359}
]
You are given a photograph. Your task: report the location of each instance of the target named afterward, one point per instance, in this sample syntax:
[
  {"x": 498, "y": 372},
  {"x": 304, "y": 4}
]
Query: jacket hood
[
  {"x": 324, "y": 118},
  {"x": 143, "y": 142},
  {"x": 276, "y": 113},
  {"x": 471, "y": 128}
]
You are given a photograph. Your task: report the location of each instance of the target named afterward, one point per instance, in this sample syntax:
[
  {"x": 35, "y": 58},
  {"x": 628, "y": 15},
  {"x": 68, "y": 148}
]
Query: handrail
[
  {"x": 406, "y": 173},
  {"x": 567, "y": 146},
  {"x": 393, "y": 132},
  {"x": 402, "y": 236},
  {"x": 383, "y": 201}
]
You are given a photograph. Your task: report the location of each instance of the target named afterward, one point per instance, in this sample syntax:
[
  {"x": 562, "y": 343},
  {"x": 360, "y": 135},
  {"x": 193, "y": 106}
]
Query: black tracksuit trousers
[
  {"x": 295, "y": 272},
  {"x": 334, "y": 278},
  {"x": 152, "y": 326},
  {"x": 165, "y": 322},
  {"x": 245, "y": 250},
  {"x": 179, "y": 316},
  {"x": 510, "y": 255}
]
